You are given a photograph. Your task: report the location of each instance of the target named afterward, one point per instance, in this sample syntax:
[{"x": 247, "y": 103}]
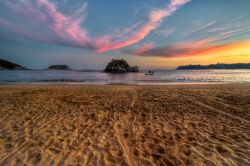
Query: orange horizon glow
[
  {"x": 229, "y": 49},
  {"x": 200, "y": 53}
]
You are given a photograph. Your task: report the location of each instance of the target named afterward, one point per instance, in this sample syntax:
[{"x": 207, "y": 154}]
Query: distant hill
[
  {"x": 215, "y": 66},
  {"x": 6, "y": 65},
  {"x": 59, "y": 67},
  {"x": 120, "y": 66}
]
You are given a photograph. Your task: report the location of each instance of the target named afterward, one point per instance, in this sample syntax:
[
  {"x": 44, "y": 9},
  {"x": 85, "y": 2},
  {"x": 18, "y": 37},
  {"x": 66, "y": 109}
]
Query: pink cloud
[
  {"x": 43, "y": 22},
  {"x": 179, "y": 2},
  {"x": 155, "y": 20},
  {"x": 144, "y": 48},
  {"x": 66, "y": 27}
]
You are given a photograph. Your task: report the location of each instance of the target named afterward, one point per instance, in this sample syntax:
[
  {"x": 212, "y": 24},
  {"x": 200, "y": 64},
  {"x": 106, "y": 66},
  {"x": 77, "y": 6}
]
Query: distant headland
[
  {"x": 215, "y": 66},
  {"x": 120, "y": 66},
  {"x": 6, "y": 65}
]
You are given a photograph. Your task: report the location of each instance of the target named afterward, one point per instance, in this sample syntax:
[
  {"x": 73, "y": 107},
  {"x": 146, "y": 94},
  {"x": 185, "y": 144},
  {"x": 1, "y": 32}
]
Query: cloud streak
[
  {"x": 41, "y": 21},
  {"x": 166, "y": 33},
  {"x": 199, "y": 26},
  {"x": 196, "y": 48},
  {"x": 155, "y": 20}
]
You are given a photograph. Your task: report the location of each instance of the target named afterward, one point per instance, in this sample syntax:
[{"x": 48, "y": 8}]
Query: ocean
[{"x": 98, "y": 77}]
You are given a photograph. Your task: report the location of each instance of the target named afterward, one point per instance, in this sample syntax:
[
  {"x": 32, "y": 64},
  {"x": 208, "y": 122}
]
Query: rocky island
[
  {"x": 120, "y": 66},
  {"x": 59, "y": 67},
  {"x": 6, "y": 65}
]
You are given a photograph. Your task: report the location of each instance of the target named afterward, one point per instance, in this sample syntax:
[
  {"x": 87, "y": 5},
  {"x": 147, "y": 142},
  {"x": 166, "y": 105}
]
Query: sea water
[{"x": 99, "y": 77}]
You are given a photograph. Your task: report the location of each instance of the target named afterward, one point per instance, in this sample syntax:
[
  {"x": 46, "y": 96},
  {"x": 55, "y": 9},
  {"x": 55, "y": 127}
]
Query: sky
[{"x": 153, "y": 34}]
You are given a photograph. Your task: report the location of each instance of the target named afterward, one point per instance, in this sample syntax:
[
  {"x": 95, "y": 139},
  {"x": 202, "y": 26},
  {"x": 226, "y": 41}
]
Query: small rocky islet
[
  {"x": 120, "y": 66},
  {"x": 59, "y": 67}
]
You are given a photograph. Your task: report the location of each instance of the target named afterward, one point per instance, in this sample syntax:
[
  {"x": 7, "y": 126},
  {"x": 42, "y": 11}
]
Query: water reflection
[{"x": 167, "y": 76}]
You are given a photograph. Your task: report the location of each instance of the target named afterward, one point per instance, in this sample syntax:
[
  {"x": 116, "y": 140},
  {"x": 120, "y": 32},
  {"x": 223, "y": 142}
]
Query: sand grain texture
[{"x": 125, "y": 125}]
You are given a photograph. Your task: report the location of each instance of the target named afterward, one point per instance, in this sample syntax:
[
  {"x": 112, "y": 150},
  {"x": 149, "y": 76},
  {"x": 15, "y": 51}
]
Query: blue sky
[{"x": 148, "y": 33}]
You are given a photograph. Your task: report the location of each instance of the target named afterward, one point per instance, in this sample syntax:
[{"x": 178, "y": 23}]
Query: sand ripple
[{"x": 125, "y": 125}]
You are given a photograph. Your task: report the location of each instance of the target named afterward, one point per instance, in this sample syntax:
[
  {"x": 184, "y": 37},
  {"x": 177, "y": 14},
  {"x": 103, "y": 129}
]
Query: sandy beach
[{"x": 125, "y": 125}]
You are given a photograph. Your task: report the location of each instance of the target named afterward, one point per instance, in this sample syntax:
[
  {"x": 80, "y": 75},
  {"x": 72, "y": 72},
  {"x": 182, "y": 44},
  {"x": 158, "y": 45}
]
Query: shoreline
[{"x": 120, "y": 83}]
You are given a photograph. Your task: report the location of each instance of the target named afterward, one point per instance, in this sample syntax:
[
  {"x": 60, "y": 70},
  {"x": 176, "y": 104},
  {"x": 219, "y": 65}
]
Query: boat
[{"x": 150, "y": 72}]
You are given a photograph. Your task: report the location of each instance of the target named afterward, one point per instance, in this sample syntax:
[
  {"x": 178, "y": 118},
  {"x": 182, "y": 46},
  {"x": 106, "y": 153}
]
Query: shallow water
[{"x": 160, "y": 77}]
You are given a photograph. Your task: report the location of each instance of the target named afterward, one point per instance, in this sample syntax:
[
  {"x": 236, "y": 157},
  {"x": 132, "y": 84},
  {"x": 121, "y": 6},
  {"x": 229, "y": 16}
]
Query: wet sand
[{"x": 125, "y": 125}]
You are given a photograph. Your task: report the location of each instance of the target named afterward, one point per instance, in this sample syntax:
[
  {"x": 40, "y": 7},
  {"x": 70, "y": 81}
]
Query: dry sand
[{"x": 125, "y": 125}]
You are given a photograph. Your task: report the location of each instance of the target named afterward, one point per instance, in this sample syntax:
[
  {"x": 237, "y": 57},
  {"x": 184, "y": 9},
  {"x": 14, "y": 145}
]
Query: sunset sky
[{"x": 156, "y": 34}]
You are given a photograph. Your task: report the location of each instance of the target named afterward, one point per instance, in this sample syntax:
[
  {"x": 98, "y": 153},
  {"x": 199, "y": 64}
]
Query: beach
[{"x": 206, "y": 124}]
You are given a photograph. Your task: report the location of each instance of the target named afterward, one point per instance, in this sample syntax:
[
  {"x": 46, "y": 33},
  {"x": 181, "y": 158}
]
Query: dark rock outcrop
[
  {"x": 6, "y": 65},
  {"x": 59, "y": 67},
  {"x": 134, "y": 69},
  {"x": 120, "y": 66}
]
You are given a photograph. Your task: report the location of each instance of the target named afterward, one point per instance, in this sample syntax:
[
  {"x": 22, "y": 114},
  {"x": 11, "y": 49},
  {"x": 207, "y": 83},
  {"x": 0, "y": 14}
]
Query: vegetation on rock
[{"x": 120, "y": 66}]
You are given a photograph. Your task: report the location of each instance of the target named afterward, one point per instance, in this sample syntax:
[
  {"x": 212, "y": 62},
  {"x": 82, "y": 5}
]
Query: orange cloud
[
  {"x": 233, "y": 49},
  {"x": 198, "y": 48}
]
